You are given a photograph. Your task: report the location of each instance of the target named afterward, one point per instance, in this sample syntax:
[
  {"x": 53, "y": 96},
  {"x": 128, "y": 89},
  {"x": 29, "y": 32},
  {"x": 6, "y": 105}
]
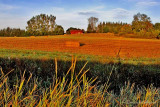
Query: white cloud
[
  {"x": 10, "y": 20},
  {"x": 14, "y": 21},
  {"x": 69, "y": 18},
  {"x": 120, "y": 13},
  {"x": 155, "y": 19},
  {"x": 144, "y": 3},
  {"x": 66, "y": 18},
  {"x": 88, "y": 13},
  {"x": 147, "y": 3},
  {"x": 7, "y": 7},
  {"x": 117, "y": 14}
]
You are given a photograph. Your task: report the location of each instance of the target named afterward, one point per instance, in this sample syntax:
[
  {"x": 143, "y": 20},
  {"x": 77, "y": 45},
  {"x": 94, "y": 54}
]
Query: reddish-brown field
[{"x": 92, "y": 44}]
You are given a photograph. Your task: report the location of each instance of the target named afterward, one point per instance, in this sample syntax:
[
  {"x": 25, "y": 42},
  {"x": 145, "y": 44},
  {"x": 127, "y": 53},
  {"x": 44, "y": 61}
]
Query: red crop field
[{"x": 90, "y": 44}]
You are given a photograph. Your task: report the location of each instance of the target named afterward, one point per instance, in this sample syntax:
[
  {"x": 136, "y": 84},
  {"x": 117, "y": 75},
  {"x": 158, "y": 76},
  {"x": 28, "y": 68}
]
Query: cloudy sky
[{"x": 74, "y": 13}]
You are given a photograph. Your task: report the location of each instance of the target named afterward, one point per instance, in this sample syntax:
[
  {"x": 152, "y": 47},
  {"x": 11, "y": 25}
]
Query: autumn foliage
[{"x": 141, "y": 27}]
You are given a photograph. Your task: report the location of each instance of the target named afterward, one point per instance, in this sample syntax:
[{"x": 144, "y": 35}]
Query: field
[
  {"x": 46, "y": 73},
  {"x": 88, "y": 44}
]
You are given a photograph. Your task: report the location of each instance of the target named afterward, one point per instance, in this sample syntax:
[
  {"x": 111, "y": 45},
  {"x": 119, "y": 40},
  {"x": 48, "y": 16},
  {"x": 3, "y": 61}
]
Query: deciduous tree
[
  {"x": 59, "y": 30},
  {"x": 92, "y": 21},
  {"x": 41, "y": 24},
  {"x": 157, "y": 26},
  {"x": 141, "y": 22}
]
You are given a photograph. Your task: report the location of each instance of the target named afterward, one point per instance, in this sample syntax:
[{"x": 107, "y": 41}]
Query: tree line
[
  {"x": 39, "y": 25},
  {"x": 43, "y": 24},
  {"x": 141, "y": 27},
  {"x": 10, "y": 32}
]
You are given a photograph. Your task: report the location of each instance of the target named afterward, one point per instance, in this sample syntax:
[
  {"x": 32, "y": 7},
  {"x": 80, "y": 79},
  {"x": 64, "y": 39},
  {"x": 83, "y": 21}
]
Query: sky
[{"x": 75, "y": 13}]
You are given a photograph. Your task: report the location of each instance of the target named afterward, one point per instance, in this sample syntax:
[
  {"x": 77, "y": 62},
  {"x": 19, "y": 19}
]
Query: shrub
[
  {"x": 105, "y": 29},
  {"x": 122, "y": 33}
]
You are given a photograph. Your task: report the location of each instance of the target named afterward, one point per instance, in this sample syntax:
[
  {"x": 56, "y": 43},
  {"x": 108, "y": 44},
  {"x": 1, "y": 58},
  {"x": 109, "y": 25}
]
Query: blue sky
[{"x": 74, "y": 13}]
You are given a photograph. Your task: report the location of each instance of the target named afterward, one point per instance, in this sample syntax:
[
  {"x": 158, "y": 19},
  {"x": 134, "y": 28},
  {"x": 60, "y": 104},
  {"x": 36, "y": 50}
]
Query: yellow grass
[{"x": 74, "y": 94}]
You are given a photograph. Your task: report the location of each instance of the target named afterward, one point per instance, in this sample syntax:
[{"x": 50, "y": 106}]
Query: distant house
[{"x": 76, "y": 31}]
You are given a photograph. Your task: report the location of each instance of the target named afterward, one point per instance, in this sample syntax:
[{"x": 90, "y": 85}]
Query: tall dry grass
[{"x": 77, "y": 91}]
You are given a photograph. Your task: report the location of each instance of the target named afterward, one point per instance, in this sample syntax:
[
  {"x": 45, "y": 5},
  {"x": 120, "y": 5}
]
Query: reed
[{"x": 77, "y": 91}]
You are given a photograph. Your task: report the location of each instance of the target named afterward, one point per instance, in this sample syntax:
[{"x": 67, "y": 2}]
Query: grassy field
[
  {"x": 92, "y": 47},
  {"x": 66, "y": 56},
  {"x": 90, "y": 44}
]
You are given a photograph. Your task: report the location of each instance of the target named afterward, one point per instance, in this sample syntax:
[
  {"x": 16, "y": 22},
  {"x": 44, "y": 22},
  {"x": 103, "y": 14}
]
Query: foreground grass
[
  {"x": 78, "y": 91},
  {"x": 33, "y": 54}
]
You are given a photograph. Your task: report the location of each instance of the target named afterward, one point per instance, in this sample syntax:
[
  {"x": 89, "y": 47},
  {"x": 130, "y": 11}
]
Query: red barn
[{"x": 76, "y": 31}]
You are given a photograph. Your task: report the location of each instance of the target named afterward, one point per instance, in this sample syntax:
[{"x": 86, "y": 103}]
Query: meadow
[
  {"x": 103, "y": 70},
  {"x": 90, "y": 44}
]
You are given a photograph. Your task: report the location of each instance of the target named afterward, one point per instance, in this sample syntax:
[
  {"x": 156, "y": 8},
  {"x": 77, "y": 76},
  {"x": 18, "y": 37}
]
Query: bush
[
  {"x": 141, "y": 34},
  {"x": 156, "y": 33},
  {"x": 122, "y": 33},
  {"x": 151, "y": 34},
  {"x": 59, "y": 30},
  {"x": 127, "y": 29},
  {"x": 105, "y": 29}
]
